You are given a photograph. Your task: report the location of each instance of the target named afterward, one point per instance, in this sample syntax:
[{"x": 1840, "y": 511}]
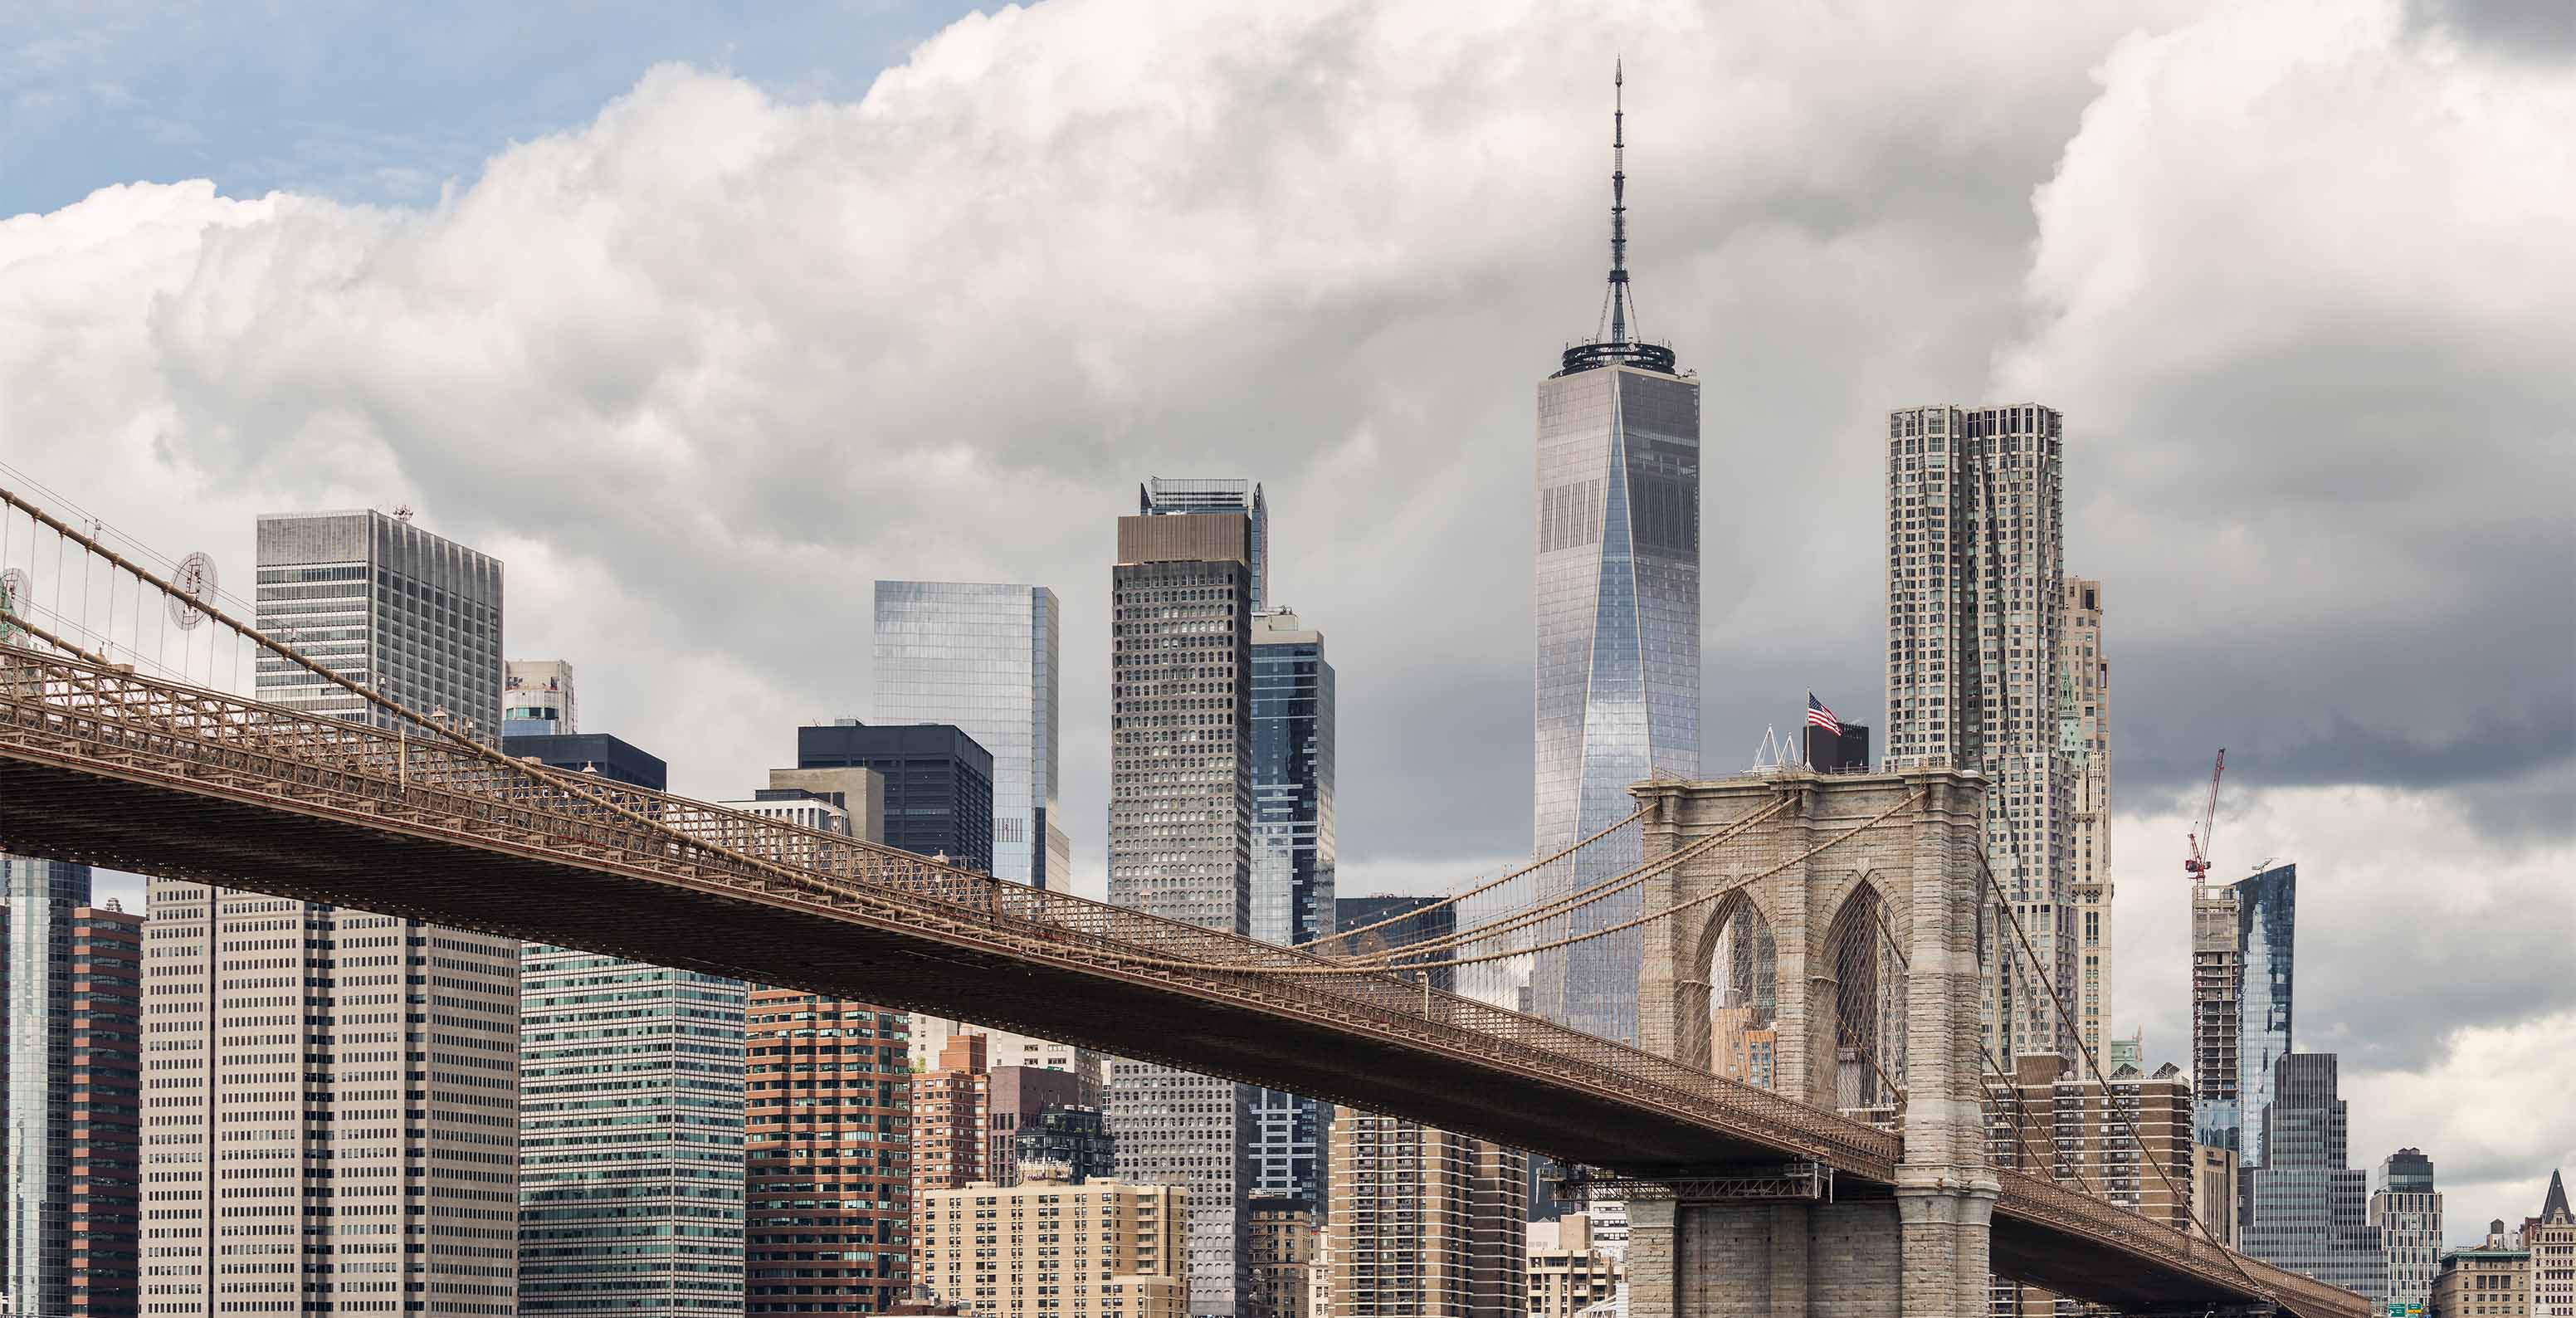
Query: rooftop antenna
[{"x": 1618, "y": 201}]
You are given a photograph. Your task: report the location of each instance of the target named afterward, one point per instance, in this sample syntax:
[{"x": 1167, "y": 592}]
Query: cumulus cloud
[{"x": 703, "y": 366}]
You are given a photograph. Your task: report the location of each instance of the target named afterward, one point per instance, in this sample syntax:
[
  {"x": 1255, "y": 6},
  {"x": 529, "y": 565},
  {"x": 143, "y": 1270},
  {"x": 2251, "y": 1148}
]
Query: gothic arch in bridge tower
[
  {"x": 1735, "y": 988},
  {"x": 1859, "y": 955}
]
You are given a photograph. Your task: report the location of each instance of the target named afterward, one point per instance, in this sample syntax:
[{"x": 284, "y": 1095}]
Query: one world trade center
[{"x": 1617, "y": 614}]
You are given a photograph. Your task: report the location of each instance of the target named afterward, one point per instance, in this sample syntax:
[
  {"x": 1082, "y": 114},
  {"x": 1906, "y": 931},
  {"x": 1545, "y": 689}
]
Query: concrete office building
[
  {"x": 1617, "y": 582},
  {"x": 1292, "y": 861},
  {"x": 938, "y": 783},
  {"x": 1049, "y": 1248},
  {"x": 2084, "y": 740},
  {"x": 71, "y": 982},
  {"x": 858, "y": 793},
  {"x": 1073, "y": 1137},
  {"x": 2303, "y": 1207},
  {"x": 2490, "y": 1280},
  {"x": 1167, "y": 496},
  {"x": 1283, "y": 1254},
  {"x": 828, "y": 1194},
  {"x": 379, "y": 1167},
  {"x": 1425, "y": 1223},
  {"x": 536, "y": 699},
  {"x": 2406, "y": 1211},
  {"x": 2551, "y": 1240},
  {"x": 796, "y": 806},
  {"x": 983, "y": 658},
  {"x": 1975, "y": 657},
  {"x": 1569, "y": 1269},
  {"x": 387, "y": 605},
  {"x": 1180, "y": 843}
]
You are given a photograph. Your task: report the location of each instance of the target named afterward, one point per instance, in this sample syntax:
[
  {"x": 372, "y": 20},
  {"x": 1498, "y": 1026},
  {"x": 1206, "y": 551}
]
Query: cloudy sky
[{"x": 702, "y": 325}]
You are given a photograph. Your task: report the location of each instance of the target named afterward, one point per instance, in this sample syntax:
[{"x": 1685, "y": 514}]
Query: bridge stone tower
[{"x": 1848, "y": 980}]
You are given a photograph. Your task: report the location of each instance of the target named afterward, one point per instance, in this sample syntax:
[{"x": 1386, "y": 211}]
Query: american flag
[{"x": 1820, "y": 717}]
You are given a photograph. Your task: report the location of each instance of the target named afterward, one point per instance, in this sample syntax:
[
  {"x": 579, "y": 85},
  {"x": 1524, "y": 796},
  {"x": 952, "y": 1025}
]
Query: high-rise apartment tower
[
  {"x": 2084, "y": 738},
  {"x": 984, "y": 658},
  {"x": 1180, "y": 842},
  {"x": 2407, "y": 1212},
  {"x": 334, "y": 1119},
  {"x": 828, "y": 1193},
  {"x": 1975, "y": 641},
  {"x": 1617, "y": 681}
]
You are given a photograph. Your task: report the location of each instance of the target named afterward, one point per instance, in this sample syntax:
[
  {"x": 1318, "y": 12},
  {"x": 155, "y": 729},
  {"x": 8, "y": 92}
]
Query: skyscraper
[
  {"x": 938, "y": 783},
  {"x": 379, "y": 1166},
  {"x": 72, "y": 975},
  {"x": 630, "y": 1113},
  {"x": 1166, "y": 496},
  {"x": 2084, "y": 738},
  {"x": 1616, "y": 696},
  {"x": 984, "y": 658},
  {"x": 385, "y": 604},
  {"x": 1425, "y": 1222},
  {"x": 1180, "y": 842},
  {"x": 828, "y": 1192},
  {"x": 2304, "y": 1208},
  {"x": 1975, "y": 619},
  {"x": 2407, "y": 1212},
  {"x": 2267, "y": 909},
  {"x": 1292, "y": 860}
]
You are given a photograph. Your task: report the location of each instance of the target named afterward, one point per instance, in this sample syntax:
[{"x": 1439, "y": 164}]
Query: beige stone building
[
  {"x": 2492, "y": 1280},
  {"x": 331, "y": 1110},
  {"x": 1424, "y": 1223},
  {"x": 2084, "y": 740},
  {"x": 1568, "y": 1269},
  {"x": 2551, "y": 1238},
  {"x": 1048, "y": 1248},
  {"x": 1284, "y": 1247}
]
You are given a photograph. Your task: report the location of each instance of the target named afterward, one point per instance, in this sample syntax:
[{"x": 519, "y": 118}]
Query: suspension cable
[
  {"x": 1330, "y": 969},
  {"x": 1608, "y": 887},
  {"x": 1454, "y": 899}
]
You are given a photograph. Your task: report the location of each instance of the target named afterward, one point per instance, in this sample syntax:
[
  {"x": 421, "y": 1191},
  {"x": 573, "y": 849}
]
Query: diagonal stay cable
[
  {"x": 2065, "y": 1019},
  {"x": 1608, "y": 887},
  {"x": 1479, "y": 889},
  {"x": 1326, "y": 970}
]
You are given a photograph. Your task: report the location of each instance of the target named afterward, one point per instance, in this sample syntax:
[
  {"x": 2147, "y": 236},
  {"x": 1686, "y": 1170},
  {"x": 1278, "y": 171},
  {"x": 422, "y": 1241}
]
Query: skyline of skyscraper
[
  {"x": 1975, "y": 637},
  {"x": 985, "y": 658},
  {"x": 1180, "y": 845},
  {"x": 1616, "y": 616},
  {"x": 2306, "y": 1208}
]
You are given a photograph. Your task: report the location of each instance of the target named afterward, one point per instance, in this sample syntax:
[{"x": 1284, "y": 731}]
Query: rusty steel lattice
[{"x": 98, "y": 763}]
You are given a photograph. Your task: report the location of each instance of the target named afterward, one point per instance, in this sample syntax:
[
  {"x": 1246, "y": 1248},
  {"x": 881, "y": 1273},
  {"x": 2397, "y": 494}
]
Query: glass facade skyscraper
[
  {"x": 984, "y": 658},
  {"x": 1616, "y": 696},
  {"x": 2266, "y": 925},
  {"x": 43, "y": 897},
  {"x": 1292, "y": 859}
]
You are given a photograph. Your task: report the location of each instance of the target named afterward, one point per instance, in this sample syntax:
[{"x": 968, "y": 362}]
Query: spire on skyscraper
[{"x": 1611, "y": 343}]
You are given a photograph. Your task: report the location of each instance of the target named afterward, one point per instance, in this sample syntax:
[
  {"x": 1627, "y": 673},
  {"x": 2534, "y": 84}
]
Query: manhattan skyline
[{"x": 2295, "y": 573}]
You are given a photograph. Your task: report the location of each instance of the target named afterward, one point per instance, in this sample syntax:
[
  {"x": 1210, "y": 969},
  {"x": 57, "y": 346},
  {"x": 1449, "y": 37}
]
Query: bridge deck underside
[{"x": 239, "y": 837}]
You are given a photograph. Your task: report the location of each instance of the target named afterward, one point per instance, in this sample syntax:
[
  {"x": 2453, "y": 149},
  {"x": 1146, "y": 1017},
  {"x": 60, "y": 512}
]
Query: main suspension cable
[{"x": 1455, "y": 898}]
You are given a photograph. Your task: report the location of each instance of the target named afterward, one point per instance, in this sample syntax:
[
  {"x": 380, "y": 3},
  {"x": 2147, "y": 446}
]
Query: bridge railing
[
  {"x": 413, "y": 776},
  {"x": 2082, "y": 1214}
]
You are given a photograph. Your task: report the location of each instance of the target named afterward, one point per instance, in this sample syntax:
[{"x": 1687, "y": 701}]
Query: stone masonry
[{"x": 1923, "y": 1255}]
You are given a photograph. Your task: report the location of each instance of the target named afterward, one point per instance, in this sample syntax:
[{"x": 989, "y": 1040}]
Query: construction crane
[{"x": 2198, "y": 865}]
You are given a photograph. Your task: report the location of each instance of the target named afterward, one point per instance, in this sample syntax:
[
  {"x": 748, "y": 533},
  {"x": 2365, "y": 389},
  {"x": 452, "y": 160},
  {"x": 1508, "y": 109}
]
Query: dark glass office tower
[
  {"x": 938, "y": 783},
  {"x": 43, "y": 894},
  {"x": 1292, "y": 860},
  {"x": 1617, "y": 615}
]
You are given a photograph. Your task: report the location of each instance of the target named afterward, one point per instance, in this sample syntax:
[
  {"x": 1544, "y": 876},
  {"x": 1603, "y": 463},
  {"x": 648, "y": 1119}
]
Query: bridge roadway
[{"x": 102, "y": 766}]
